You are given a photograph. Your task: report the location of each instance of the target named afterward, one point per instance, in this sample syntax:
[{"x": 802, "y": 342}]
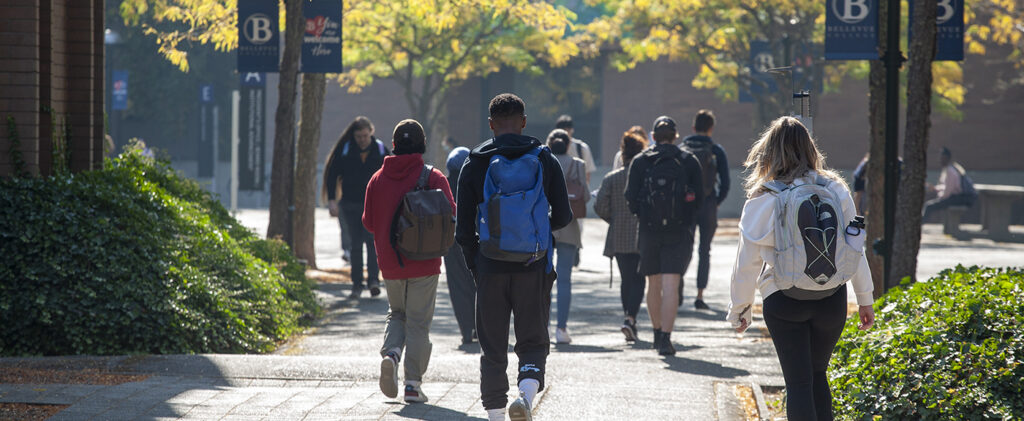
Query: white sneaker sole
[
  {"x": 519, "y": 411},
  {"x": 388, "y": 378}
]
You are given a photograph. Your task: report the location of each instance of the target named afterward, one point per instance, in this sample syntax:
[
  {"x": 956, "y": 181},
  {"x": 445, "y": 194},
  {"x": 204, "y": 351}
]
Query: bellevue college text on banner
[
  {"x": 851, "y": 30},
  {"x": 949, "y": 30},
  {"x": 258, "y": 36}
]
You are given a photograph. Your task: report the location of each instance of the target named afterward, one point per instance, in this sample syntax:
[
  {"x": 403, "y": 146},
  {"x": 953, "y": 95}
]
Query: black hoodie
[{"x": 471, "y": 194}]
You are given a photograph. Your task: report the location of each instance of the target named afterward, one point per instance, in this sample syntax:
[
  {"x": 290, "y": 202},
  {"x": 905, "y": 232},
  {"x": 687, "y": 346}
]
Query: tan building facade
[{"x": 51, "y": 58}]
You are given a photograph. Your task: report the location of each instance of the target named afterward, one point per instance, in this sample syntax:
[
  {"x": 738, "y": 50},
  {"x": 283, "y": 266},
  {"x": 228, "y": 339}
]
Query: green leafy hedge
[
  {"x": 949, "y": 348},
  {"x": 135, "y": 258}
]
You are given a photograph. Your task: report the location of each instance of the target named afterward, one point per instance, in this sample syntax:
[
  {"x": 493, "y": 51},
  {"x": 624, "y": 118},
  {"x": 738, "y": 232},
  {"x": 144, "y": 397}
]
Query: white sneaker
[
  {"x": 562, "y": 336},
  {"x": 520, "y": 409},
  {"x": 413, "y": 394},
  {"x": 389, "y": 376}
]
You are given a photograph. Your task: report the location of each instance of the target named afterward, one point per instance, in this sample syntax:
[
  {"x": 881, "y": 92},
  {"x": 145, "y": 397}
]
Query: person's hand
[
  {"x": 867, "y": 317},
  {"x": 744, "y": 324},
  {"x": 332, "y": 207}
]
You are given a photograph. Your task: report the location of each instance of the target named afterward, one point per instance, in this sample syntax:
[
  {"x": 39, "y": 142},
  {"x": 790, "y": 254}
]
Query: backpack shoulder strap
[
  {"x": 344, "y": 148},
  {"x": 579, "y": 150},
  {"x": 422, "y": 183},
  {"x": 775, "y": 186},
  {"x": 380, "y": 147},
  {"x": 822, "y": 180}
]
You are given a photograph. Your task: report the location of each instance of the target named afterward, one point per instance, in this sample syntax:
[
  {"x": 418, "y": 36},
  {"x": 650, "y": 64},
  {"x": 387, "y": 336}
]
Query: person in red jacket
[{"x": 412, "y": 285}]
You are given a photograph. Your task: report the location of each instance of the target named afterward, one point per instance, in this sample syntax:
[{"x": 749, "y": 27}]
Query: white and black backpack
[{"x": 814, "y": 255}]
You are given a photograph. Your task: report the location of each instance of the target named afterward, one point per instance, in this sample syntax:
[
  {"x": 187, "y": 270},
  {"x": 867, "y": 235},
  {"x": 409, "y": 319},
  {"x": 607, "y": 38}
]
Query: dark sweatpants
[
  {"x": 804, "y": 334},
  {"x": 462, "y": 290},
  {"x": 936, "y": 204},
  {"x": 360, "y": 236},
  {"x": 527, "y": 296},
  {"x": 707, "y": 223}
]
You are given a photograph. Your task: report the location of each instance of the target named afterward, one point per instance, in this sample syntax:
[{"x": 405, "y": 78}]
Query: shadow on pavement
[
  {"x": 426, "y": 411},
  {"x": 583, "y": 348},
  {"x": 703, "y": 368},
  {"x": 709, "y": 315}
]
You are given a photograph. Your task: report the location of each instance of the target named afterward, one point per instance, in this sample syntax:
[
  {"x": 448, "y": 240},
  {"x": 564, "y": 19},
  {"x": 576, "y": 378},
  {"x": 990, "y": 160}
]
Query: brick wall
[{"x": 51, "y": 55}]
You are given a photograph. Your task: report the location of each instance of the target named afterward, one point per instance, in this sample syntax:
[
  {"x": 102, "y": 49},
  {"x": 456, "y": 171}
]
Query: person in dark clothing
[
  {"x": 665, "y": 247},
  {"x": 461, "y": 286},
  {"x": 707, "y": 215},
  {"x": 509, "y": 288},
  {"x": 353, "y": 160}
]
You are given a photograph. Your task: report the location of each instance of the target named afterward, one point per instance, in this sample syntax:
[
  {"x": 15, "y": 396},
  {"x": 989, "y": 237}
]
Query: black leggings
[
  {"x": 631, "y": 289},
  {"x": 804, "y": 333}
]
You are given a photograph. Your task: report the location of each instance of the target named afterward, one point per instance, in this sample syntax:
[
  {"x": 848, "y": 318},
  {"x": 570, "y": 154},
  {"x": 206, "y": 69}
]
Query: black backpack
[
  {"x": 667, "y": 200},
  {"x": 708, "y": 162},
  {"x": 967, "y": 187}
]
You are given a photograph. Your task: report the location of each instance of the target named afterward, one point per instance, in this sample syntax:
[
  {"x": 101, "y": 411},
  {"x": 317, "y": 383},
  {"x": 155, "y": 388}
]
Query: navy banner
[
  {"x": 321, "y": 42},
  {"x": 252, "y": 145},
  {"x": 119, "y": 93},
  {"x": 851, "y": 30},
  {"x": 761, "y": 82},
  {"x": 949, "y": 30},
  {"x": 258, "y": 36}
]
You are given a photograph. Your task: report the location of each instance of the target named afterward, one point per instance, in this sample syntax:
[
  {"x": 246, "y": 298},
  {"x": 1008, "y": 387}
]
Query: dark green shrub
[
  {"x": 949, "y": 348},
  {"x": 137, "y": 259}
]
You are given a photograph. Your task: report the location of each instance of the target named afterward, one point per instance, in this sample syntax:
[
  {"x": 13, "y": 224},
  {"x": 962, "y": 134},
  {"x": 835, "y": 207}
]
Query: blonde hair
[{"x": 784, "y": 152}]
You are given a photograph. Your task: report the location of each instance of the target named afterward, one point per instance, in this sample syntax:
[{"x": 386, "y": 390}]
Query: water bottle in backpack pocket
[
  {"x": 513, "y": 218},
  {"x": 814, "y": 254}
]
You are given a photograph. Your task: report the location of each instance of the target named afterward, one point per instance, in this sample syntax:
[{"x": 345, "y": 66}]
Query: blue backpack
[{"x": 513, "y": 217}]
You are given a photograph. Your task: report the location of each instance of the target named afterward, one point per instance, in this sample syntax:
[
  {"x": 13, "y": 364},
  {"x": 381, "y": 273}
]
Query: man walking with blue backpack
[{"x": 511, "y": 195}]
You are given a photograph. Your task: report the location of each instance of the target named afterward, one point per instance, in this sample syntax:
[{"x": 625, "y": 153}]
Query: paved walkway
[{"x": 331, "y": 373}]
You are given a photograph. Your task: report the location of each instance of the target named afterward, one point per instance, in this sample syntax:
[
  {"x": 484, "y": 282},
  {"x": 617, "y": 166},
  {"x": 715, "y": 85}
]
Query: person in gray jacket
[
  {"x": 461, "y": 285},
  {"x": 620, "y": 241}
]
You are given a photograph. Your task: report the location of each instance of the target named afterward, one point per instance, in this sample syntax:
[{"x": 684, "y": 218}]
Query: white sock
[
  {"x": 529, "y": 388},
  {"x": 413, "y": 383},
  {"x": 496, "y": 414}
]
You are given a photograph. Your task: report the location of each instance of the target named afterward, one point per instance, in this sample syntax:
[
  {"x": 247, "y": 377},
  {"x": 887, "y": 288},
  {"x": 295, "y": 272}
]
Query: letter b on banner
[
  {"x": 258, "y": 36},
  {"x": 851, "y": 30},
  {"x": 851, "y": 11}
]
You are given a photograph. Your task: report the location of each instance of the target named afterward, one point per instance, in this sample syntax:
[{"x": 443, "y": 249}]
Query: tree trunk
[
  {"x": 282, "y": 169},
  {"x": 907, "y": 239},
  {"x": 314, "y": 88},
  {"x": 875, "y": 171}
]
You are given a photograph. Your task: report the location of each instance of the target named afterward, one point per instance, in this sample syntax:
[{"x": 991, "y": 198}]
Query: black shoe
[
  {"x": 356, "y": 292},
  {"x": 636, "y": 334},
  {"x": 374, "y": 288},
  {"x": 628, "y": 331},
  {"x": 666, "y": 347},
  {"x": 656, "y": 343},
  {"x": 699, "y": 304}
]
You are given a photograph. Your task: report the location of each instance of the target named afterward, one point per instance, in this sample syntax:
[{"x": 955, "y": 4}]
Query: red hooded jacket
[{"x": 388, "y": 185}]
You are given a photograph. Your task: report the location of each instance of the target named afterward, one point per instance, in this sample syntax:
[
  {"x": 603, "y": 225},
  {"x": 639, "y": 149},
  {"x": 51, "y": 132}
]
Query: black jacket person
[{"x": 507, "y": 288}]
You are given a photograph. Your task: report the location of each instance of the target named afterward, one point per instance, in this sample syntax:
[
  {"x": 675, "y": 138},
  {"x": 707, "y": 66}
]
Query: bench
[
  {"x": 951, "y": 223},
  {"x": 996, "y": 203}
]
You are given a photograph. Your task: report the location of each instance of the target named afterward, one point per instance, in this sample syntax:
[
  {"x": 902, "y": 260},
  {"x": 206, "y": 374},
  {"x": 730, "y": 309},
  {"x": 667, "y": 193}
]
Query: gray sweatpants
[{"x": 411, "y": 303}]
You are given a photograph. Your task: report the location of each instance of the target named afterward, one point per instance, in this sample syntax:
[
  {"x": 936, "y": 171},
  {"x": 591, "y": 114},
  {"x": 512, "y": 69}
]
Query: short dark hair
[
  {"x": 506, "y": 105},
  {"x": 703, "y": 121},
  {"x": 564, "y": 122},
  {"x": 558, "y": 141}
]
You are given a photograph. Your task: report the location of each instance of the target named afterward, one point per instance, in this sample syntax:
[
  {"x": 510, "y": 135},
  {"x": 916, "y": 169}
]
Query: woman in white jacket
[{"x": 804, "y": 331}]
